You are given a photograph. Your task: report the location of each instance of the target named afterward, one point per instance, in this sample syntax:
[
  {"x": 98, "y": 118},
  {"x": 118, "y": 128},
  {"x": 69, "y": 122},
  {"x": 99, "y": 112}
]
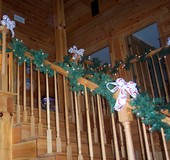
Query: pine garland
[{"x": 145, "y": 107}]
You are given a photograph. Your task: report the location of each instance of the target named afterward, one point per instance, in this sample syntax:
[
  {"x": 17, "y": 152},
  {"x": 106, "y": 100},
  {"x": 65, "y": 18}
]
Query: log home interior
[{"x": 57, "y": 111}]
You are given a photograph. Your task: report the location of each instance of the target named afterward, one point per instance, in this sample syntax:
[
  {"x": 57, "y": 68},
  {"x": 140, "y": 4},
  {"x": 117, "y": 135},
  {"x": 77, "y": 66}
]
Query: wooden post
[
  {"x": 125, "y": 117},
  {"x": 3, "y": 75},
  {"x": 122, "y": 142},
  {"x": 69, "y": 149},
  {"x": 60, "y": 42},
  {"x": 32, "y": 124},
  {"x": 6, "y": 106},
  {"x": 49, "y": 134},
  {"x": 90, "y": 143},
  {"x": 141, "y": 139},
  {"x": 115, "y": 138},
  {"x": 96, "y": 139},
  {"x": 18, "y": 97},
  {"x": 24, "y": 96},
  {"x": 101, "y": 127},
  {"x": 164, "y": 144},
  {"x": 146, "y": 143},
  {"x": 40, "y": 125},
  {"x": 80, "y": 156},
  {"x": 58, "y": 138}
]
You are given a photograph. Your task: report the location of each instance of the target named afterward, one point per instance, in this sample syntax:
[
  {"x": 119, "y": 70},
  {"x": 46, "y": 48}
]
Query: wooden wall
[{"x": 116, "y": 20}]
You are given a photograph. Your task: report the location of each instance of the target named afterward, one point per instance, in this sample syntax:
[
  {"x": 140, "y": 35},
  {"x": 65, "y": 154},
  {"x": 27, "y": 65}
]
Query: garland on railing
[
  {"x": 149, "y": 109},
  {"x": 145, "y": 107}
]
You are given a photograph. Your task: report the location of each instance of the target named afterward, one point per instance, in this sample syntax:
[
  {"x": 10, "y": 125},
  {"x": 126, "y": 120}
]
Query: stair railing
[{"x": 34, "y": 102}]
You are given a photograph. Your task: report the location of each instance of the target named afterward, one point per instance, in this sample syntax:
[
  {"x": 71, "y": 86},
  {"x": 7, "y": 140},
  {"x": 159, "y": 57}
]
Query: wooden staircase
[{"x": 28, "y": 148}]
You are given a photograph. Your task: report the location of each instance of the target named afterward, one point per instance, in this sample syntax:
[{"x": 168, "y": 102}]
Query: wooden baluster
[
  {"x": 101, "y": 127},
  {"x": 136, "y": 72},
  {"x": 88, "y": 125},
  {"x": 40, "y": 125},
  {"x": 80, "y": 113},
  {"x": 156, "y": 78},
  {"x": 4, "y": 56},
  {"x": 167, "y": 68},
  {"x": 49, "y": 134},
  {"x": 150, "y": 81},
  {"x": 146, "y": 143},
  {"x": 151, "y": 136},
  {"x": 115, "y": 138},
  {"x": 102, "y": 118},
  {"x": 104, "y": 106},
  {"x": 164, "y": 144},
  {"x": 18, "y": 97},
  {"x": 163, "y": 79},
  {"x": 11, "y": 76},
  {"x": 96, "y": 139},
  {"x": 72, "y": 108},
  {"x": 144, "y": 82},
  {"x": 58, "y": 138},
  {"x": 122, "y": 142},
  {"x": 141, "y": 139},
  {"x": 32, "y": 124},
  {"x": 80, "y": 157},
  {"x": 24, "y": 96},
  {"x": 69, "y": 149}
]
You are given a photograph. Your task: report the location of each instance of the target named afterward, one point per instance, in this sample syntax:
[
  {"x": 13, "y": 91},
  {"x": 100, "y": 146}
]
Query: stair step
[
  {"x": 26, "y": 150},
  {"x": 42, "y": 147},
  {"x": 22, "y": 132}
]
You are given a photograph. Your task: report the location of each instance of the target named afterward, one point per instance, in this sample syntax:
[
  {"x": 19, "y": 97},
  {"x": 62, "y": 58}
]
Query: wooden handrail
[
  {"x": 88, "y": 83},
  {"x": 60, "y": 70}
]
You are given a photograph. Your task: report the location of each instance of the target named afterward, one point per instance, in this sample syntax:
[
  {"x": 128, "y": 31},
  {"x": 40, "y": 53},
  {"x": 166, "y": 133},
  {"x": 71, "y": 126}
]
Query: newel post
[
  {"x": 3, "y": 74},
  {"x": 125, "y": 117},
  {"x": 6, "y": 105}
]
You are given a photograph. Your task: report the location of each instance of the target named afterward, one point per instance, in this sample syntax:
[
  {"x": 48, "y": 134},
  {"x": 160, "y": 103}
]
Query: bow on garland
[
  {"x": 8, "y": 23},
  {"x": 124, "y": 87},
  {"x": 77, "y": 53}
]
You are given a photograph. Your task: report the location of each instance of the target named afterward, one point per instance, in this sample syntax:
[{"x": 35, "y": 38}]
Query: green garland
[
  {"x": 149, "y": 110},
  {"x": 145, "y": 107}
]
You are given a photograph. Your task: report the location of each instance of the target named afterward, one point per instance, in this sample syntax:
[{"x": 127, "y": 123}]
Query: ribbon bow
[
  {"x": 124, "y": 87},
  {"x": 77, "y": 53},
  {"x": 8, "y": 23},
  {"x": 168, "y": 41}
]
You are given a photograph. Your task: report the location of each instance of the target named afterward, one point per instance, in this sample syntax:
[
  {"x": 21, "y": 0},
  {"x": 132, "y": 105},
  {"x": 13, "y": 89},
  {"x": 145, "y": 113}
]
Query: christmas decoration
[
  {"x": 144, "y": 106},
  {"x": 77, "y": 54},
  {"x": 8, "y": 23},
  {"x": 123, "y": 88},
  {"x": 168, "y": 41}
]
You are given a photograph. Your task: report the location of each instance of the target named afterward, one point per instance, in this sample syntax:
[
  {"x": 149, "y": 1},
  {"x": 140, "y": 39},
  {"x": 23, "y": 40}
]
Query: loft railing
[{"x": 30, "y": 88}]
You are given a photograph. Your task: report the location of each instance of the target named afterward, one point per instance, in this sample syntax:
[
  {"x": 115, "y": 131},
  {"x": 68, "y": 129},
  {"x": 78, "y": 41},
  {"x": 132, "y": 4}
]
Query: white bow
[
  {"x": 76, "y": 52},
  {"x": 168, "y": 41},
  {"x": 124, "y": 87},
  {"x": 8, "y": 23}
]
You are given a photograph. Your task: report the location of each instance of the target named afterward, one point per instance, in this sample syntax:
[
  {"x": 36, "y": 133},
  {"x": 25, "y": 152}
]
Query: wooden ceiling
[{"x": 91, "y": 33}]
